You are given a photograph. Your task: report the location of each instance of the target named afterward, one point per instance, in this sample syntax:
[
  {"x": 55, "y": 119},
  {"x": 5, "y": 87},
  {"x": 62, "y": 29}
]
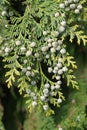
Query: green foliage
[
  {"x": 33, "y": 38},
  {"x": 80, "y": 37},
  {"x": 73, "y": 114},
  {"x": 13, "y": 67}
]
